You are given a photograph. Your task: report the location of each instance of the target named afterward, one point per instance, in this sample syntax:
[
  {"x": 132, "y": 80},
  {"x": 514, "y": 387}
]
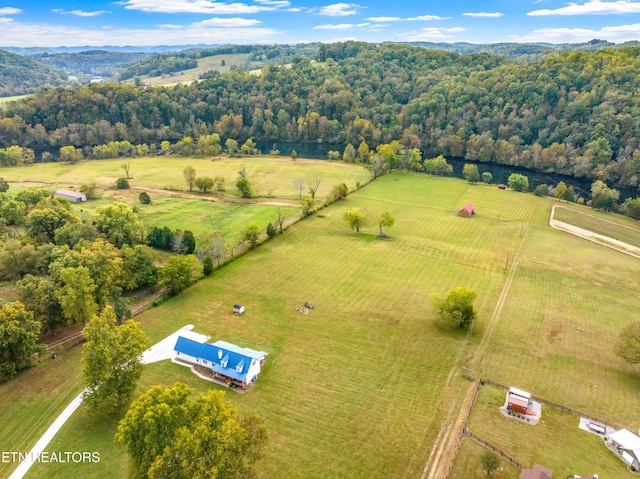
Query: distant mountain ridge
[{"x": 27, "y": 51}]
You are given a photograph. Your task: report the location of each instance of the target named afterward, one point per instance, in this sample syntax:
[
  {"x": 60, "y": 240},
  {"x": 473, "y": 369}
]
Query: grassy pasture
[
  {"x": 468, "y": 463},
  {"x": 615, "y": 226},
  {"x": 204, "y": 64},
  {"x": 200, "y": 217},
  {"x": 273, "y": 175},
  {"x": 356, "y": 387}
]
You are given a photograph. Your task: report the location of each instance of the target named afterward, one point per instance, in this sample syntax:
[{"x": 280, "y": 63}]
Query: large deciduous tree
[
  {"x": 518, "y": 182},
  {"x": 456, "y": 306},
  {"x": 251, "y": 234},
  {"x": 386, "y": 221},
  {"x": 180, "y": 272},
  {"x": 118, "y": 222},
  {"x": 111, "y": 359},
  {"x": 603, "y": 197},
  {"x": 356, "y": 218},
  {"x": 168, "y": 434},
  {"x": 19, "y": 332}
]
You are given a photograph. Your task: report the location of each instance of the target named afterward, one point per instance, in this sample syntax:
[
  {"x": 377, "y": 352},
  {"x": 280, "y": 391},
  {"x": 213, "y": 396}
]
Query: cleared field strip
[{"x": 590, "y": 235}]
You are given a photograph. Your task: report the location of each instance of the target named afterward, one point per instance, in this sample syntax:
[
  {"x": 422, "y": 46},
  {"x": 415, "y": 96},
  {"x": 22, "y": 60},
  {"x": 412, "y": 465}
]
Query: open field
[
  {"x": 555, "y": 442},
  {"x": 200, "y": 217},
  {"x": 356, "y": 387},
  {"x": 204, "y": 64},
  {"x": 270, "y": 175},
  {"x": 617, "y": 227},
  {"x": 7, "y": 99}
]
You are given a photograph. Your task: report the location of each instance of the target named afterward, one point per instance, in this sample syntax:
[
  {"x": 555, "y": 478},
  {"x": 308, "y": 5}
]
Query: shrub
[
  {"x": 144, "y": 198},
  {"x": 487, "y": 177},
  {"x": 518, "y": 182},
  {"x": 541, "y": 190},
  {"x": 122, "y": 184},
  {"x": 294, "y": 154}
]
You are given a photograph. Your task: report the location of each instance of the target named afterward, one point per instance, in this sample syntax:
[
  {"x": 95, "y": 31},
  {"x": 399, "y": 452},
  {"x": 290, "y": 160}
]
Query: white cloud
[
  {"x": 339, "y": 40},
  {"x": 79, "y": 13},
  {"x": 197, "y": 6},
  {"x": 618, "y": 34},
  {"x": 275, "y": 3},
  {"x": 43, "y": 35},
  {"x": 294, "y": 9},
  {"x": 384, "y": 19},
  {"x": 427, "y": 18},
  {"x": 592, "y": 7},
  {"x": 6, "y": 20},
  {"x": 341, "y": 26},
  {"x": 9, "y": 11},
  {"x": 172, "y": 26},
  {"x": 484, "y": 14},
  {"x": 339, "y": 9},
  {"x": 229, "y": 22},
  {"x": 431, "y": 34}
]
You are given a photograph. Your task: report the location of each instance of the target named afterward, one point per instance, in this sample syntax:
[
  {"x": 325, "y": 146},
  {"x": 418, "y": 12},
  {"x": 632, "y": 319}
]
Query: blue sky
[{"x": 178, "y": 22}]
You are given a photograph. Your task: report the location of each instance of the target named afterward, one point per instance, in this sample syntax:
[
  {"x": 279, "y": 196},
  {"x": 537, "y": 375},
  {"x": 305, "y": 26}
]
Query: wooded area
[{"x": 574, "y": 113}]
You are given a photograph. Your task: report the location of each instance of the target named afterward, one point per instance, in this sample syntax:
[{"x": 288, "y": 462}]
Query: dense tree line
[{"x": 575, "y": 113}]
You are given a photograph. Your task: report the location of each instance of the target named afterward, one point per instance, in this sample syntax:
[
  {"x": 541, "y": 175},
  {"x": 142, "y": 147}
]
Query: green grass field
[
  {"x": 356, "y": 387},
  {"x": 204, "y": 64},
  {"x": 615, "y": 226},
  {"x": 200, "y": 217},
  {"x": 271, "y": 176},
  {"x": 468, "y": 464}
]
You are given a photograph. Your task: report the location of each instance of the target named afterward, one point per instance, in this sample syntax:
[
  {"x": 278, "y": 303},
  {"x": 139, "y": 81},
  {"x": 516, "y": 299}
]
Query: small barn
[
  {"x": 72, "y": 196},
  {"x": 536, "y": 472},
  {"x": 238, "y": 309},
  {"x": 502, "y": 186},
  {"x": 467, "y": 211}
]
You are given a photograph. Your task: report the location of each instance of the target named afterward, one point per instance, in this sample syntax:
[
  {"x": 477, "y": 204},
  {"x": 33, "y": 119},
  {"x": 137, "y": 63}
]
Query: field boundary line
[{"x": 602, "y": 240}]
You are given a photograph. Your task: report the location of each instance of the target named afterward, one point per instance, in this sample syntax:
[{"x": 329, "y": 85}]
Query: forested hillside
[
  {"x": 93, "y": 62},
  {"x": 575, "y": 113},
  {"x": 21, "y": 75}
]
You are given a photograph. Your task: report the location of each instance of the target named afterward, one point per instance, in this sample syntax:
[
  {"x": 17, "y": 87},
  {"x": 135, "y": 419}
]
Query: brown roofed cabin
[
  {"x": 537, "y": 472},
  {"x": 467, "y": 211}
]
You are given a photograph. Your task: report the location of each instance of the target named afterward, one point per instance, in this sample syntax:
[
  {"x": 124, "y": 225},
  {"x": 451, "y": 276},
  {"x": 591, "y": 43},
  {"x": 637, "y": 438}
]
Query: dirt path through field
[{"x": 612, "y": 243}]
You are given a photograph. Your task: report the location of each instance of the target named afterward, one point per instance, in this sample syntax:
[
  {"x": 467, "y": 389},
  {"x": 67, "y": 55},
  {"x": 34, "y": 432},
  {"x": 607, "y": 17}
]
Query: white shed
[
  {"x": 72, "y": 196},
  {"x": 238, "y": 309}
]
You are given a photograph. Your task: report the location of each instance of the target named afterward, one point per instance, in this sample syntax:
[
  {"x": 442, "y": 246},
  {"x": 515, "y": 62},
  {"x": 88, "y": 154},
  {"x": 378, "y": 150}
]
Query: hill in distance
[{"x": 21, "y": 75}]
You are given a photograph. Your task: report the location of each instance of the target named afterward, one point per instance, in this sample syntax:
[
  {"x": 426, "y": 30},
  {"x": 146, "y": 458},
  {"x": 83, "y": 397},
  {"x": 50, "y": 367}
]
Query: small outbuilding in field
[
  {"x": 72, "y": 196},
  {"x": 467, "y": 211},
  {"x": 238, "y": 309},
  {"x": 520, "y": 405}
]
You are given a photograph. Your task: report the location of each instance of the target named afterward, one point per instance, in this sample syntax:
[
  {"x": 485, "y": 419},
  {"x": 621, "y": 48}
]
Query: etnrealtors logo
[{"x": 50, "y": 456}]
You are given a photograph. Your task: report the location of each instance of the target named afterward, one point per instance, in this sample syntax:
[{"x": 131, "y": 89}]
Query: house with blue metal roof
[{"x": 227, "y": 362}]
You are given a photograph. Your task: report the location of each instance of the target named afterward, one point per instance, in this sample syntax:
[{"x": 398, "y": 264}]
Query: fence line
[
  {"x": 493, "y": 448},
  {"x": 556, "y": 405}
]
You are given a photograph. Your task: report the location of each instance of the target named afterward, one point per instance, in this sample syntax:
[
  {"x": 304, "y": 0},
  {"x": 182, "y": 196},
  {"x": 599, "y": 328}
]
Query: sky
[{"x": 29, "y": 23}]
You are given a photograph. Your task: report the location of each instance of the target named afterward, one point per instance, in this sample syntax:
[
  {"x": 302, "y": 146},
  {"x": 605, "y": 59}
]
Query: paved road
[{"x": 158, "y": 352}]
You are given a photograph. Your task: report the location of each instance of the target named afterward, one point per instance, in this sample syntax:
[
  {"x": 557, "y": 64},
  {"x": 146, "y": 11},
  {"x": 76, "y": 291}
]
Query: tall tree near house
[
  {"x": 313, "y": 183},
  {"x": 76, "y": 295},
  {"x": 189, "y": 173},
  {"x": 298, "y": 184},
  {"x": 490, "y": 463},
  {"x": 111, "y": 359},
  {"x": 180, "y": 272},
  {"x": 201, "y": 437}
]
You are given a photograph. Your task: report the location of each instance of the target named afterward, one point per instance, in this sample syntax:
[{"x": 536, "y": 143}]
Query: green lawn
[
  {"x": 607, "y": 224},
  {"x": 271, "y": 176},
  {"x": 200, "y": 217},
  {"x": 356, "y": 387},
  {"x": 468, "y": 463},
  {"x": 555, "y": 442}
]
